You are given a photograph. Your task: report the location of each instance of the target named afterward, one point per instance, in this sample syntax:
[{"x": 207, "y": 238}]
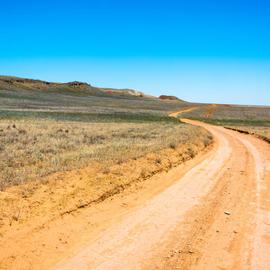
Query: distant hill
[
  {"x": 15, "y": 83},
  {"x": 37, "y": 95}
]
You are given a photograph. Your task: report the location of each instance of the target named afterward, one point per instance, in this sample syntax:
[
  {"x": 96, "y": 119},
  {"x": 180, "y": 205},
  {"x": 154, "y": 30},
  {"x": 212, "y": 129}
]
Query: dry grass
[
  {"x": 230, "y": 113},
  {"x": 84, "y": 101},
  {"x": 32, "y": 149},
  {"x": 63, "y": 148},
  {"x": 259, "y": 131},
  {"x": 247, "y": 119}
]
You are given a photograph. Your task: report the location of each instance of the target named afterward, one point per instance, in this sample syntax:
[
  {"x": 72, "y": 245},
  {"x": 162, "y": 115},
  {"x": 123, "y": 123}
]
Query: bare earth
[
  {"x": 216, "y": 216},
  {"x": 211, "y": 213}
]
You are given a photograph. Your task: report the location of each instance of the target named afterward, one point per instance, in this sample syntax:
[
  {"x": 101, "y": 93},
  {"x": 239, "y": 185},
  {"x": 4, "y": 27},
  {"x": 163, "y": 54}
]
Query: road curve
[{"x": 217, "y": 216}]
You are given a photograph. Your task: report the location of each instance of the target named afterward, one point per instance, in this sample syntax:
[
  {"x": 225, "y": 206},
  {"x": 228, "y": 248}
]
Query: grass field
[
  {"x": 67, "y": 101},
  {"x": 58, "y": 166},
  {"x": 32, "y": 149},
  {"x": 235, "y": 122},
  {"x": 54, "y": 127},
  {"x": 63, "y": 146},
  {"x": 37, "y": 96},
  {"x": 51, "y": 127},
  {"x": 250, "y": 119},
  {"x": 131, "y": 116},
  {"x": 231, "y": 113},
  {"x": 66, "y": 145}
]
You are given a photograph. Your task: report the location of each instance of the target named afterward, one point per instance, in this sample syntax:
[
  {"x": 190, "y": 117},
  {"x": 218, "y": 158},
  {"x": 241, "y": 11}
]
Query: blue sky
[{"x": 207, "y": 51}]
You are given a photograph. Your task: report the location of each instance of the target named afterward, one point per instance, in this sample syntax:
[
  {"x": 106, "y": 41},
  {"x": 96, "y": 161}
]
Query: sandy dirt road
[
  {"x": 216, "y": 216},
  {"x": 178, "y": 113}
]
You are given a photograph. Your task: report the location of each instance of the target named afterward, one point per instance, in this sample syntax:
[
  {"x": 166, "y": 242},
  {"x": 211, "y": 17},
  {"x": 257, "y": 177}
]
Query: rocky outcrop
[{"x": 165, "y": 97}]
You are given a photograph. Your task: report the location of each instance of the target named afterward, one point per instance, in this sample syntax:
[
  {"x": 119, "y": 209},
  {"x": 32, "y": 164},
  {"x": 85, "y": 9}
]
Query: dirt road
[
  {"x": 216, "y": 216},
  {"x": 178, "y": 113}
]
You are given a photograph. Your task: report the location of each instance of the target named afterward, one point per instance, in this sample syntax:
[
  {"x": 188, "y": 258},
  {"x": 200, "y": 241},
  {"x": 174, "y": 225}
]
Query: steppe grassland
[
  {"x": 33, "y": 149},
  {"x": 260, "y": 131},
  {"x": 254, "y": 120},
  {"x": 233, "y": 114}
]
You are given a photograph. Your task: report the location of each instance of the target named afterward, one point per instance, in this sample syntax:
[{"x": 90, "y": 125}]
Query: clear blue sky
[{"x": 207, "y": 51}]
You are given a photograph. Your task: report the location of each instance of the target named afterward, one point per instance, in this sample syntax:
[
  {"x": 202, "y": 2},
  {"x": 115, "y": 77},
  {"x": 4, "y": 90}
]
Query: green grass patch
[
  {"x": 86, "y": 117},
  {"x": 234, "y": 122}
]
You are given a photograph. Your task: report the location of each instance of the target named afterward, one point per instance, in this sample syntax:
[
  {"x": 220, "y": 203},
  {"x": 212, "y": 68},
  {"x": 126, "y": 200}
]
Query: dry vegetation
[
  {"x": 18, "y": 94},
  {"x": 30, "y": 150},
  {"x": 261, "y": 132},
  {"x": 247, "y": 119},
  {"x": 230, "y": 113},
  {"x": 57, "y": 167},
  {"x": 66, "y": 146}
]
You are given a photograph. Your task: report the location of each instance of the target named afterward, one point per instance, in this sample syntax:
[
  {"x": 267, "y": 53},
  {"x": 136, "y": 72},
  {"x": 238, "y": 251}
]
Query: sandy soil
[{"x": 212, "y": 213}]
